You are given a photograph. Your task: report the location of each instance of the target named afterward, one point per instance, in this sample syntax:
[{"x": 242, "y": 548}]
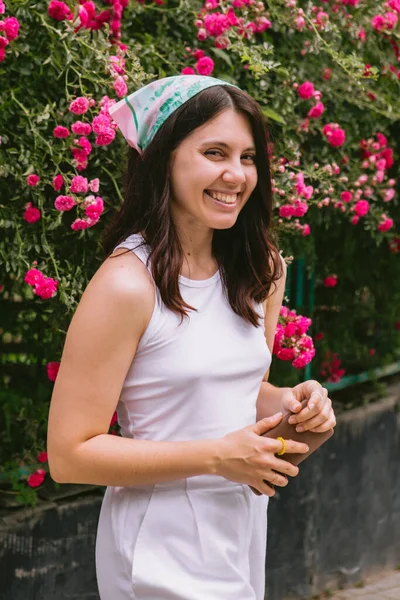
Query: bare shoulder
[{"x": 122, "y": 285}]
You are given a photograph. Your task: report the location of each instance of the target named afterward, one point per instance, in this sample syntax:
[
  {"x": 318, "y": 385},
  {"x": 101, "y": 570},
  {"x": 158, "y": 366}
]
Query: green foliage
[{"x": 50, "y": 64}]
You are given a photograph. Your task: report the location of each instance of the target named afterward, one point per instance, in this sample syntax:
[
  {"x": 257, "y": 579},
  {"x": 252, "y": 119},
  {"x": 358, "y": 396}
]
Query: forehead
[{"x": 230, "y": 127}]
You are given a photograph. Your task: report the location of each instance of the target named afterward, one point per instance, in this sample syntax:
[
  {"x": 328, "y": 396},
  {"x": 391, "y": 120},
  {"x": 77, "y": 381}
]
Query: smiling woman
[
  {"x": 214, "y": 142},
  {"x": 170, "y": 333}
]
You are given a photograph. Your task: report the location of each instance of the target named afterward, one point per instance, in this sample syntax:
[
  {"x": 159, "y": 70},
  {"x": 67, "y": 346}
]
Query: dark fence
[{"x": 335, "y": 524}]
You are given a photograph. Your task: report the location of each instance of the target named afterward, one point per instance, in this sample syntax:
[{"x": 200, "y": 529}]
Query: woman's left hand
[{"x": 318, "y": 416}]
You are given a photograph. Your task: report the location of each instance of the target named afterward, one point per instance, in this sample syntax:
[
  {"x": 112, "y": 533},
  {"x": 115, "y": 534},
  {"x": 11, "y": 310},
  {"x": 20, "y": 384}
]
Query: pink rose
[
  {"x": 79, "y": 185},
  {"x": 79, "y": 106},
  {"x": 300, "y": 209},
  {"x": 43, "y": 457},
  {"x": 11, "y": 28},
  {"x": 286, "y": 354},
  {"x": 205, "y": 65},
  {"x": 316, "y": 111},
  {"x": 361, "y": 208},
  {"x": 101, "y": 123},
  {"x": 346, "y": 196},
  {"x": 33, "y": 180},
  {"x": 385, "y": 224},
  {"x": 61, "y": 132},
  {"x": 331, "y": 281},
  {"x": 105, "y": 138},
  {"x": 120, "y": 87},
  {"x": 31, "y": 214},
  {"x": 58, "y": 182},
  {"x": 302, "y": 360},
  {"x": 80, "y": 128},
  {"x": 36, "y": 478},
  {"x": 63, "y": 203},
  {"x": 188, "y": 71},
  {"x": 59, "y": 11},
  {"x": 306, "y": 90},
  {"x": 34, "y": 276},
  {"x": 337, "y": 138},
  {"x": 46, "y": 289},
  {"x": 94, "y": 185},
  {"x": 286, "y": 211},
  {"x": 52, "y": 370}
]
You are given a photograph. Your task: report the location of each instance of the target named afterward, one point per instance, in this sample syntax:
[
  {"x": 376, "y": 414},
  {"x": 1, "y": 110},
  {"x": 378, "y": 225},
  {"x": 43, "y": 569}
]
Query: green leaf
[
  {"x": 271, "y": 114},
  {"x": 223, "y": 55}
]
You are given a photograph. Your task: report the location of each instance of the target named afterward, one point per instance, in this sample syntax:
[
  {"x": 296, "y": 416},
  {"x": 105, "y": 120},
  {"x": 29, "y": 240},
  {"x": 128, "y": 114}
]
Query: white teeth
[{"x": 227, "y": 198}]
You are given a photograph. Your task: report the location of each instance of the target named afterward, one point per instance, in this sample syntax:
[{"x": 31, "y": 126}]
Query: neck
[{"x": 198, "y": 262}]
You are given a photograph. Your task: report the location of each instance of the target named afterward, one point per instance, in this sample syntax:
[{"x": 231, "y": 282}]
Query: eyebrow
[{"x": 224, "y": 145}]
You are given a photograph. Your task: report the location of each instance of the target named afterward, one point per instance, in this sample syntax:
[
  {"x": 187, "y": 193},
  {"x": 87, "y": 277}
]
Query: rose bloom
[
  {"x": 58, "y": 182},
  {"x": 11, "y": 28},
  {"x": 331, "y": 281},
  {"x": 79, "y": 106},
  {"x": 346, "y": 196},
  {"x": 80, "y": 128},
  {"x": 36, "y": 478},
  {"x": 52, "y": 370},
  {"x": 337, "y": 138},
  {"x": 31, "y": 214},
  {"x": 205, "y": 65},
  {"x": 33, "y": 180},
  {"x": 385, "y": 225},
  {"x": 306, "y": 90},
  {"x": 188, "y": 71},
  {"x": 42, "y": 458},
  {"x": 316, "y": 111},
  {"x": 59, "y": 11},
  {"x": 105, "y": 138},
  {"x": 61, "y": 132},
  {"x": 361, "y": 208}
]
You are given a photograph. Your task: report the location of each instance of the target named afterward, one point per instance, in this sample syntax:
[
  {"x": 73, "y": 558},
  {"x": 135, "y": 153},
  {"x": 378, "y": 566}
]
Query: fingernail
[
  {"x": 292, "y": 420},
  {"x": 311, "y": 405},
  {"x": 300, "y": 428}
]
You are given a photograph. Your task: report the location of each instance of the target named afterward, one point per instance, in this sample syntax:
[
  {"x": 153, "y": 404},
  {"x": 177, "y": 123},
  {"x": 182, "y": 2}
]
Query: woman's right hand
[{"x": 247, "y": 457}]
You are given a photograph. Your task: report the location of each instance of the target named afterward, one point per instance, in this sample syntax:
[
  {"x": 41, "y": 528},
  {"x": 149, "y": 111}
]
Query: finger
[
  {"x": 293, "y": 447},
  {"x": 273, "y": 478},
  {"x": 329, "y": 424},
  {"x": 284, "y": 467},
  {"x": 315, "y": 421},
  {"x": 317, "y": 398},
  {"x": 306, "y": 414},
  {"x": 266, "y": 424},
  {"x": 266, "y": 489}
]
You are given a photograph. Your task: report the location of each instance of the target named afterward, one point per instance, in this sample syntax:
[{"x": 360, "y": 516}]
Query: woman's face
[{"x": 214, "y": 173}]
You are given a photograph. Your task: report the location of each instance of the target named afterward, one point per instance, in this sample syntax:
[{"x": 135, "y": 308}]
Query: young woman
[{"x": 175, "y": 331}]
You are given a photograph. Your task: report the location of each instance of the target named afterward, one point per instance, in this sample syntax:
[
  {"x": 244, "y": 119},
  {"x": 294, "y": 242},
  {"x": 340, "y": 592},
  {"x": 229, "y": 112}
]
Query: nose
[{"x": 234, "y": 173}]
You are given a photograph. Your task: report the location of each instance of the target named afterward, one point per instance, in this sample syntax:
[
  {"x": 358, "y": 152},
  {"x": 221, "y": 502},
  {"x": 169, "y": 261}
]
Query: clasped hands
[{"x": 318, "y": 416}]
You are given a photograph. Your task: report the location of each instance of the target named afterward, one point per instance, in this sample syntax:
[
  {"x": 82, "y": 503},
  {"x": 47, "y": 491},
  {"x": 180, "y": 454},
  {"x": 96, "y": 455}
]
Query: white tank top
[{"x": 196, "y": 380}]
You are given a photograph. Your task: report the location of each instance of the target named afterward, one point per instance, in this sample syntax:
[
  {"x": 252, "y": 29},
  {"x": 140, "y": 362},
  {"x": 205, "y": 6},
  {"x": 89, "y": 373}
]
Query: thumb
[{"x": 267, "y": 423}]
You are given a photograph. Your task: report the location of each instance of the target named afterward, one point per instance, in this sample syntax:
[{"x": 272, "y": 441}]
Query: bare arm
[
  {"x": 269, "y": 397},
  {"x": 100, "y": 345}
]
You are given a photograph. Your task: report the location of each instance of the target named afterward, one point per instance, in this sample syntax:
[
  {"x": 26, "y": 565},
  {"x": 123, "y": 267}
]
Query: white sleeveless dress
[{"x": 204, "y": 537}]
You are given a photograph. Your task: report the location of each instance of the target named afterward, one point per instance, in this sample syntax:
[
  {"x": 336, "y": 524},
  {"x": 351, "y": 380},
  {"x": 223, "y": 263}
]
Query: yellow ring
[{"x": 283, "y": 446}]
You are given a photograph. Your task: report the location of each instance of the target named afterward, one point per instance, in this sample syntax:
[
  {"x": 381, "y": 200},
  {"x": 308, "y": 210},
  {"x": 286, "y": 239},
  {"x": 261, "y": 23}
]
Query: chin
[{"x": 223, "y": 223}]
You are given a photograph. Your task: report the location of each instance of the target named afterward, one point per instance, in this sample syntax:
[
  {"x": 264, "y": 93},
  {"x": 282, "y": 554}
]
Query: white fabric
[{"x": 204, "y": 537}]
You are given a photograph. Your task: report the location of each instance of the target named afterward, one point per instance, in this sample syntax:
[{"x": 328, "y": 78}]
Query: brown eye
[{"x": 213, "y": 152}]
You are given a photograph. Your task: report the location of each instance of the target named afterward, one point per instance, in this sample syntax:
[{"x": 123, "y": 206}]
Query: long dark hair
[{"x": 246, "y": 253}]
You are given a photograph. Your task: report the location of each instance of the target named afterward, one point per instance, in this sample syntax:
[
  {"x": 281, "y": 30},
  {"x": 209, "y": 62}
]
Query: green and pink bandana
[{"x": 140, "y": 115}]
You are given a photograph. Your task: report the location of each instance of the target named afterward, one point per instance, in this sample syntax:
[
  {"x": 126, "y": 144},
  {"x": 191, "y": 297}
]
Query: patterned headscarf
[{"x": 140, "y": 115}]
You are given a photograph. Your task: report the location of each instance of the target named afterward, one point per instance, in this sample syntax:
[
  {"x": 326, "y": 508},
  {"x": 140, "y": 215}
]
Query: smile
[{"x": 225, "y": 198}]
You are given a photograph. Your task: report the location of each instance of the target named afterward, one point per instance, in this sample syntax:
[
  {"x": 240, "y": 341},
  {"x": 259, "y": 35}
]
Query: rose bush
[{"x": 327, "y": 77}]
